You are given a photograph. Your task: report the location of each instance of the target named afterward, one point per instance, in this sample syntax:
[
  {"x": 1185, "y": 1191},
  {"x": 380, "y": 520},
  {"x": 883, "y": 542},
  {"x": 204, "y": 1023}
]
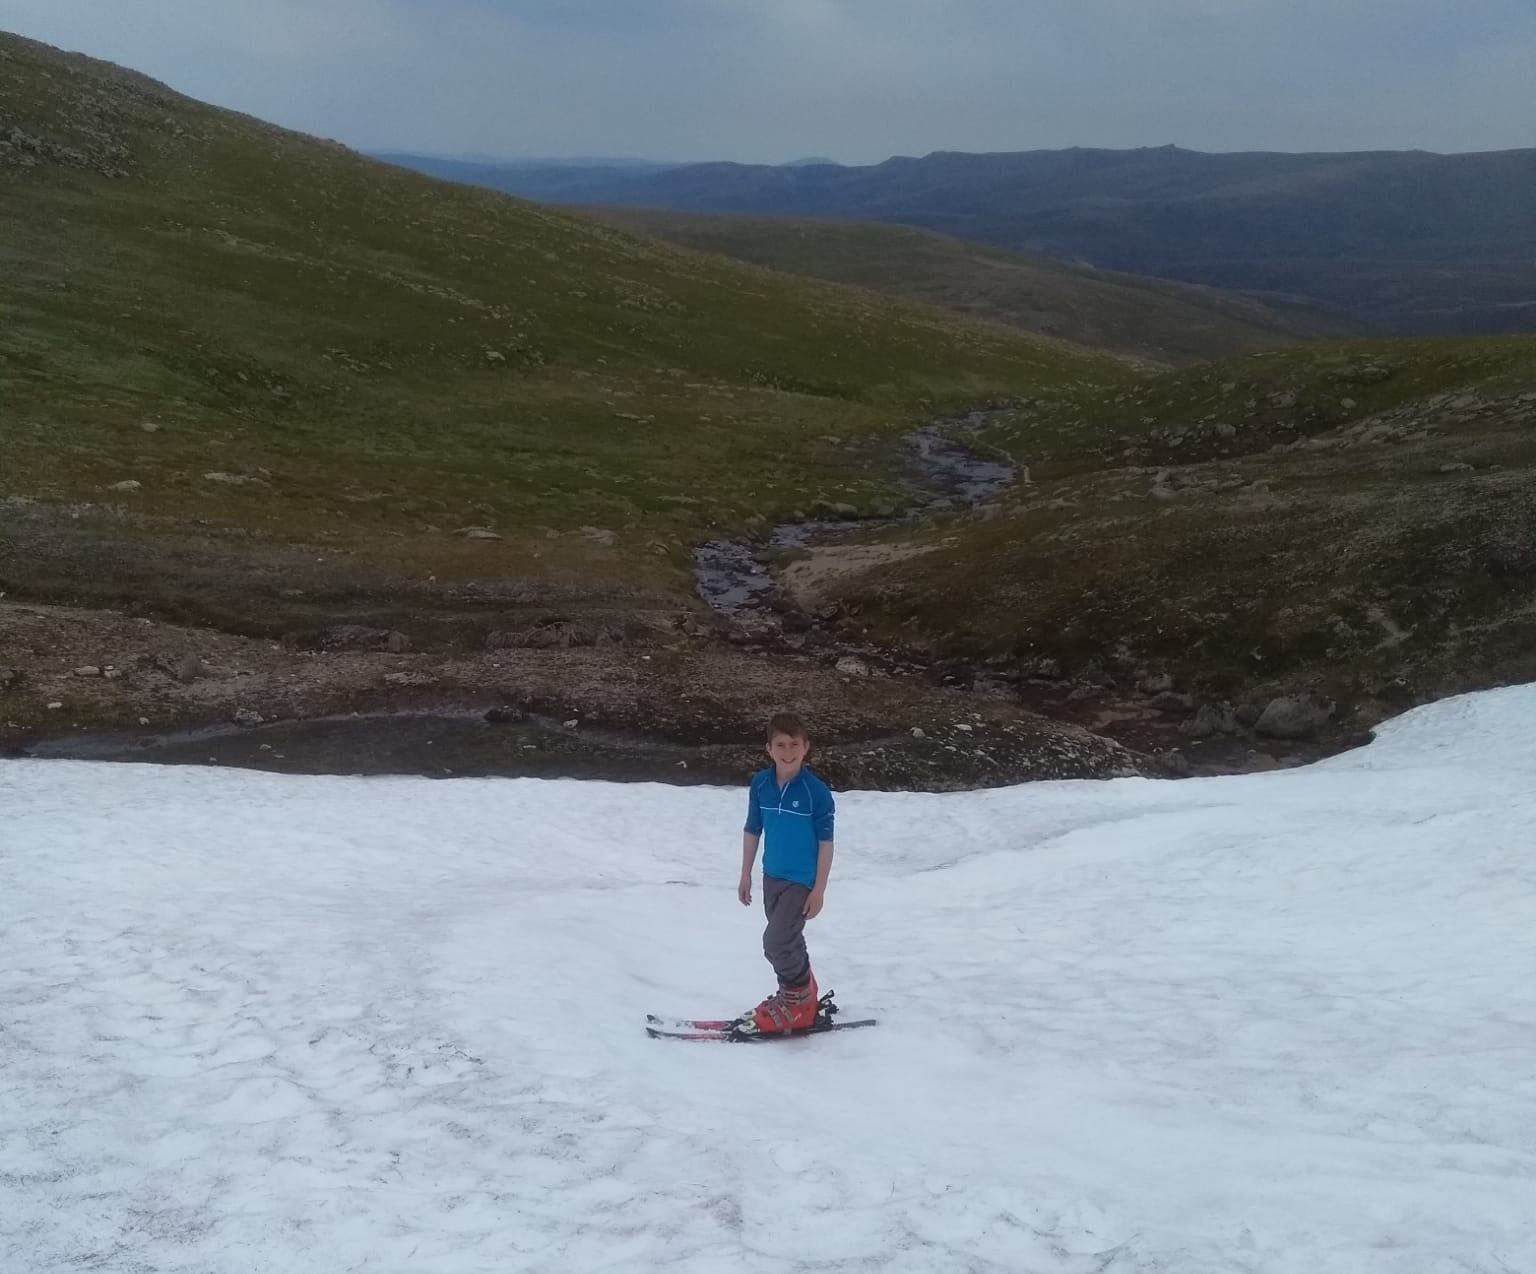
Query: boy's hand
[
  {"x": 744, "y": 890},
  {"x": 813, "y": 904}
]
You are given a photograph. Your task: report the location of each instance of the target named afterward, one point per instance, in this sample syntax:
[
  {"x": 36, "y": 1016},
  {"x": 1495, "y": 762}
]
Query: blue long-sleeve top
[{"x": 793, "y": 820}]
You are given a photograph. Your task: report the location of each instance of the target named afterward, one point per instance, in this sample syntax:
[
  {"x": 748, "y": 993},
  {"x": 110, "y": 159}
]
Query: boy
[{"x": 795, "y": 809}]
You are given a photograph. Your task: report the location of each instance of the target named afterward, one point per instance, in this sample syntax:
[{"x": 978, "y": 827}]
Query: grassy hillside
[
  {"x": 1395, "y": 241},
  {"x": 1149, "y": 318},
  {"x": 1359, "y": 518},
  {"x": 209, "y": 322}
]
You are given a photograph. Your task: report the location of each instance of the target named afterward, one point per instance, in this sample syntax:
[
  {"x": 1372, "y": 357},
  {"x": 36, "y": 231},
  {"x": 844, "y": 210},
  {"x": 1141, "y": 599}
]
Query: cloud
[{"x": 858, "y": 79}]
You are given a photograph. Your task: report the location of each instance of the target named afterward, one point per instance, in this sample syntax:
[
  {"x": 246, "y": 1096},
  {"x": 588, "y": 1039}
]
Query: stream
[{"x": 734, "y": 577}]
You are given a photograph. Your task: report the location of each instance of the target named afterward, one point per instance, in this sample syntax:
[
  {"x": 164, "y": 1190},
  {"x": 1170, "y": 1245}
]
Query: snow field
[{"x": 1274, "y": 1023}]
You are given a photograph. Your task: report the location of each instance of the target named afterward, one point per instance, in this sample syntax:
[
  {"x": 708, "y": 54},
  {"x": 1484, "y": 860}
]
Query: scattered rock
[
  {"x": 506, "y": 715},
  {"x": 248, "y": 717},
  {"x": 852, "y": 666},
  {"x": 230, "y": 479},
  {"x": 477, "y": 533},
  {"x": 9, "y": 677},
  {"x": 918, "y": 732},
  {"x": 88, "y": 670},
  {"x": 127, "y": 484},
  {"x": 561, "y": 633}
]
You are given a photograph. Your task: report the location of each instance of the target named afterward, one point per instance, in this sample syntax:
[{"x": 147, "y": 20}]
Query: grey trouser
[{"x": 784, "y": 938}]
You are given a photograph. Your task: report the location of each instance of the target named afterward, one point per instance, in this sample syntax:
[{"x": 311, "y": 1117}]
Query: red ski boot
[{"x": 790, "y": 1008}]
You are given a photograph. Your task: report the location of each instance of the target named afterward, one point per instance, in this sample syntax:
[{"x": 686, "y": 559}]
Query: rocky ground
[
  {"x": 121, "y": 641},
  {"x": 100, "y": 683}
]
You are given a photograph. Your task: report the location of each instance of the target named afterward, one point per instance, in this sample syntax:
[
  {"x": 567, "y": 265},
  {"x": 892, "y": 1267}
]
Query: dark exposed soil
[
  {"x": 675, "y": 700},
  {"x": 687, "y": 711}
]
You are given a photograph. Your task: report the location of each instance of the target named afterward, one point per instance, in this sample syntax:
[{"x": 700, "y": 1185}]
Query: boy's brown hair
[{"x": 787, "y": 723}]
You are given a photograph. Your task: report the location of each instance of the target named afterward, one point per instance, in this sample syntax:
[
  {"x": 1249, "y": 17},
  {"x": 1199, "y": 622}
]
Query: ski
[
  {"x": 739, "y": 1029},
  {"x": 732, "y": 1035}
]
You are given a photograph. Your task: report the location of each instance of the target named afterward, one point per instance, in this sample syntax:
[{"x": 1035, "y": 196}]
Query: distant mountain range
[
  {"x": 547, "y": 180},
  {"x": 1395, "y": 241}
]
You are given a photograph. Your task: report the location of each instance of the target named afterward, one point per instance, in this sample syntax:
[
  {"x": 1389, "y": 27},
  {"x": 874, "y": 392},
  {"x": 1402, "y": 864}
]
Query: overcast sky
[{"x": 855, "y": 80}]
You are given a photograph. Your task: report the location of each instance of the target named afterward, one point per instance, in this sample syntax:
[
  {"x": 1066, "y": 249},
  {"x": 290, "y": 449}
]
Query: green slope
[
  {"x": 372, "y": 358},
  {"x": 1358, "y": 518},
  {"x": 1401, "y": 242},
  {"x": 1148, "y": 318}
]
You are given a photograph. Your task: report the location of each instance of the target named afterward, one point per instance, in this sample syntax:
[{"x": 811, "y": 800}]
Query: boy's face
[{"x": 788, "y": 750}]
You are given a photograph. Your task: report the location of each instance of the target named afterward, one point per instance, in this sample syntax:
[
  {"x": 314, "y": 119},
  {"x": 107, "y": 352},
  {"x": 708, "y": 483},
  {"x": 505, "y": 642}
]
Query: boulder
[
  {"x": 409, "y": 679},
  {"x": 362, "y": 637},
  {"x": 1210, "y": 719},
  {"x": 1295, "y": 717},
  {"x": 183, "y": 668}
]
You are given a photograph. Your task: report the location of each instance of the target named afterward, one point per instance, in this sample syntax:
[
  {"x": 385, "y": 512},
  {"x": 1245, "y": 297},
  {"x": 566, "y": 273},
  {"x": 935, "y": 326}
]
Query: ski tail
[
  {"x": 686, "y": 1033},
  {"x": 690, "y": 1023}
]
